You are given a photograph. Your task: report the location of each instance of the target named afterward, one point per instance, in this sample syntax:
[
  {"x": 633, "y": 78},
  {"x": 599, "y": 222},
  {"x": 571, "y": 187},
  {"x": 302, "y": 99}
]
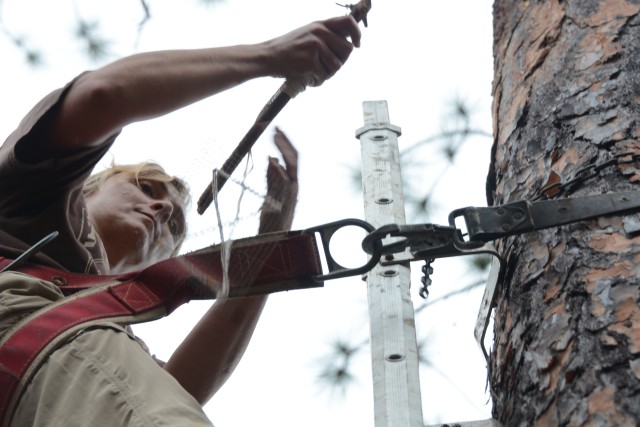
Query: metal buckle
[
  {"x": 457, "y": 239},
  {"x": 424, "y": 241},
  {"x": 337, "y": 271}
]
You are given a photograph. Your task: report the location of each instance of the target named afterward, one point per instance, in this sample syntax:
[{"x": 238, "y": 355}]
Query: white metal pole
[{"x": 396, "y": 385}]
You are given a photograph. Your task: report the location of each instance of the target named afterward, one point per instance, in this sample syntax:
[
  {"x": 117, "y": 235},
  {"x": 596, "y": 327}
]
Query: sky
[{"x": 418, "y": 55}]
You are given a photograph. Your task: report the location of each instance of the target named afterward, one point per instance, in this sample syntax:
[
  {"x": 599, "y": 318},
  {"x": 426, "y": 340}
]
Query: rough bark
[{"x": 567, "y": 325}]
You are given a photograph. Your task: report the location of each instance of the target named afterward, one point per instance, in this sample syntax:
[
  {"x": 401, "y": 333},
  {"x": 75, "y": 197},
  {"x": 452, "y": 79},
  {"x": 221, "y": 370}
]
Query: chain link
[
  {"x": 587, "y": 172},
  {"x": 427, "y": 271}
]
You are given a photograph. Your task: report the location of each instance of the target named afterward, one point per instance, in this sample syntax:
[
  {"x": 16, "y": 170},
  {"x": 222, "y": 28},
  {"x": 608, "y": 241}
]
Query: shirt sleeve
[
  {"x": 43, "y": 181},
  {"x": 46, "y": 195}
]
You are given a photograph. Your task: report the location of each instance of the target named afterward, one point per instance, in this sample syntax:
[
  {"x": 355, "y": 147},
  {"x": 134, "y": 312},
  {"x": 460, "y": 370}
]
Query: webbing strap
[{"x": 259, "y": 265}]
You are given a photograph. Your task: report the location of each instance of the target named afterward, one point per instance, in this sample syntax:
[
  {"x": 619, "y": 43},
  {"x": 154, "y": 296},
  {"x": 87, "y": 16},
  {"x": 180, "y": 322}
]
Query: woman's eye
[{"x": 146, "y": 188}]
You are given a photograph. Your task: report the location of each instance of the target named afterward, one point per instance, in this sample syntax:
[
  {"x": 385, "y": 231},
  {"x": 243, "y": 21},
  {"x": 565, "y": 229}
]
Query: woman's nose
[{"x": 163, "y": 210}]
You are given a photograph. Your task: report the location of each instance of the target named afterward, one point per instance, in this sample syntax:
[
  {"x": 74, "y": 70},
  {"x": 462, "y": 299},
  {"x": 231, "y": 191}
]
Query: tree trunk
[{"x": 567, "y": 325}]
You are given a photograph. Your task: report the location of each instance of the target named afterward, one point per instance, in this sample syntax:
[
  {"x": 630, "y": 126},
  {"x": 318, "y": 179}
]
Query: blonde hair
[{"x": 144, "y": 170}]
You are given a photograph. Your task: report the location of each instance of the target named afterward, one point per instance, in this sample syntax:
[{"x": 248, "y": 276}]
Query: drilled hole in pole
[
  {"x": 379, "y": 137},
  {"x": 389, "y": 273},
  {"x": 384, "y": 201},
  {"x": 394, "y": 357}
]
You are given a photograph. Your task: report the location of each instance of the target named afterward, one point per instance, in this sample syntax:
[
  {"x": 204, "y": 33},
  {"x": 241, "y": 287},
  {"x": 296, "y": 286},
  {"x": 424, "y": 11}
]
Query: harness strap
[{"x": 259, "y": 265}]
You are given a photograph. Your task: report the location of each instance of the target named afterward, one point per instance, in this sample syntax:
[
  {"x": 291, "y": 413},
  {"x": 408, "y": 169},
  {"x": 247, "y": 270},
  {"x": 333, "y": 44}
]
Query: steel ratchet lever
[
  {"x": 432, "y": 238},
  {"x": 423, "y": 241}
]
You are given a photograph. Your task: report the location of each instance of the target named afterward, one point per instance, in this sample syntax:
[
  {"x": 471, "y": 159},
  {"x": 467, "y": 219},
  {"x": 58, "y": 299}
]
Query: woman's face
[{"x": 139, "y": 222}]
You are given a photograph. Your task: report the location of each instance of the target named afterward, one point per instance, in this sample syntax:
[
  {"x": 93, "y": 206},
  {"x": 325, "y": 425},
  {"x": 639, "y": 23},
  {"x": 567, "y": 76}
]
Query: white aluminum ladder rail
[{"x": 394, "y": 350}]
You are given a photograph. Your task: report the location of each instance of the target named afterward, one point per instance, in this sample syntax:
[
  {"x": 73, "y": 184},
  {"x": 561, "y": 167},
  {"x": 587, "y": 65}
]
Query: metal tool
[
  {"x": 26, "y": 255},
  {"x": 289, "y": 89}
]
